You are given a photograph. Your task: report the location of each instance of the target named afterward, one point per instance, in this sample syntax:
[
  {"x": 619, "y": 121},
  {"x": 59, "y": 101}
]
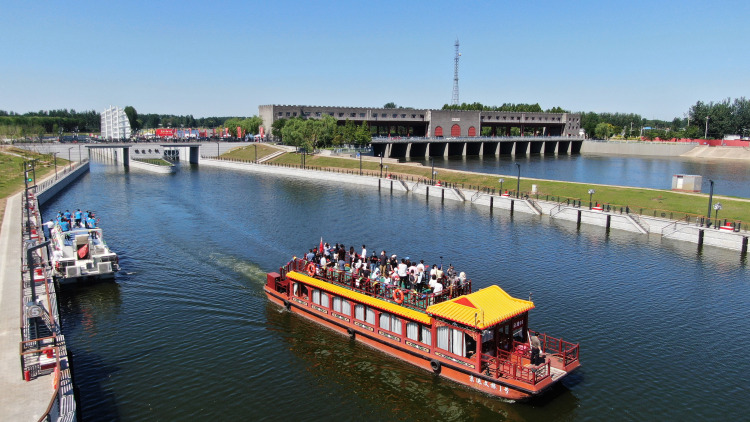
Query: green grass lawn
[
  {"x": 247, "y": 153},
  {"x": 640, "y": 200},
  {"x": 11, "y": 170}
]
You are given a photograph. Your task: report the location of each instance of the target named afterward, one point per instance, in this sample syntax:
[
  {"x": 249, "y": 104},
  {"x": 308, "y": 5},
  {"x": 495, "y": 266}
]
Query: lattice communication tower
[{"x": 454, "y": 99}]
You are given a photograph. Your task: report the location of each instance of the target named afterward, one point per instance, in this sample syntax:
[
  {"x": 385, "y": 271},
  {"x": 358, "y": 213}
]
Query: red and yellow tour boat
[{"x": 478, "y": 339}]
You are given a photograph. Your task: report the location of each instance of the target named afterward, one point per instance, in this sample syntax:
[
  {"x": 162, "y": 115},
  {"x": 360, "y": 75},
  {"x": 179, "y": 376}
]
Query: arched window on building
[
  {"x": 438, "y": 131},
  {"x": 472, "y": 131},
  {"x": 455, "y": 131}
]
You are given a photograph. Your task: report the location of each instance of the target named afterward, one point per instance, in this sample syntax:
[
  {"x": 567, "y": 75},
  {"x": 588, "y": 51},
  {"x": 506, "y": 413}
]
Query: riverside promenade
[
  {"x": 35, "y": 377},
  {"x": 619, "y": 219}
]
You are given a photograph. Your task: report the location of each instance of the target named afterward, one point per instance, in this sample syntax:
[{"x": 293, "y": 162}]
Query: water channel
[
  {"x": 732, "y": 178},
  {"x": 185, "y": 333}
]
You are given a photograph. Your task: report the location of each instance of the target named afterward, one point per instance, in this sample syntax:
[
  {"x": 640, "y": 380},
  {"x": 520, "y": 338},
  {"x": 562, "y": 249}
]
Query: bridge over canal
[{"x": 445, "y": 147}]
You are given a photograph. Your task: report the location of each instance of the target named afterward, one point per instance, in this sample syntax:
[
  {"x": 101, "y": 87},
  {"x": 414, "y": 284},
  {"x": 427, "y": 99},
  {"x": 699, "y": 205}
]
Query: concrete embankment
[
  {"x": 56, "y": 183},
  {"x": 614, "y": 219},
  {"x": 719, "y": 153},
  {"x": 665, "y": 149},
  {"x": 657, "y": 149}
]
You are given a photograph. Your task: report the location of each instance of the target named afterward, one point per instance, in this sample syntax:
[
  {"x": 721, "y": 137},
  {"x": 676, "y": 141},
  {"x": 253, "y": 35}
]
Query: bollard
[
  {"x": 378, "y": 185},
  {"x": 427, "y": 192},
  {"x": 700, "y": 238},
  {"x": 442, "y": 193},
  {"x": 512, "y": 203},
  {"x": 492, "y": 201},
  {"x": 609, "y": 220},
  {"x": 744, "y": 246},
  {"x": 579, "y": 218}
]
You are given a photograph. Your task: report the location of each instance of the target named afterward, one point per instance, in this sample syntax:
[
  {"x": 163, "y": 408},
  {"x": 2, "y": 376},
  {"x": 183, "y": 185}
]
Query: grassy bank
[
  {"x": 645, "y": 201},
  {"x": 247, "y": 153},
  {"x": 12, "y": 166},
  {"x": 155, "y": 161}
]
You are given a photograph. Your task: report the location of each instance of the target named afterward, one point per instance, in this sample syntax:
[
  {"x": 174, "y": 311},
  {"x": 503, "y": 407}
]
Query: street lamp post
[
  {"x": 434, "y": 176},
  {"x": 360, "y": 163},
  {"x": 717, "y": 207},
  {"x": 432, "y": 172},
  {"x": 70, "y": 162},
  {"x": 710, "y": 199},
  {"x": 518, "y": 184},
  {"x": 386, "y": 170},
  {"x": 381, "y": 165},
  {"x": 501, "y": 185},
  {"x": 256, "y": 153},
  {"x": 55, "y": 154},
  {"x": 591, "y": 193},
  {"x": 705, "y": 134}
]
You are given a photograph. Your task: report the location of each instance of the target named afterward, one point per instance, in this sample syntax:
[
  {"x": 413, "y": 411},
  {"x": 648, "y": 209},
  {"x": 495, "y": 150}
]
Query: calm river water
[
  {"x": 186, "y": 333},
  {"x": 731, "y": 178}
]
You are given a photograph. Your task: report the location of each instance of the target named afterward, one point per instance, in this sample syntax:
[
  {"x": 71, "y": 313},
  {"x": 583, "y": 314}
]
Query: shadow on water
[{"x": 411, "y": 393}]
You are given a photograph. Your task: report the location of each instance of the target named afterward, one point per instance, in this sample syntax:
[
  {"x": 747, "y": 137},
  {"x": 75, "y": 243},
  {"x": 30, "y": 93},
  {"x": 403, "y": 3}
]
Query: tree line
[
  {"x": 726, "y": 117},
  {"x": 521, "y": 108},
  {"x": 321, "y": 133},
  {"x": 36, "y": 124}
]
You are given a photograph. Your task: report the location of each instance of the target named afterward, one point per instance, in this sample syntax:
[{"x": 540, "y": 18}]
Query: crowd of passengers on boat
[
  {"x": 387, "y": 276},
  {"x": 68, "y": 221}
]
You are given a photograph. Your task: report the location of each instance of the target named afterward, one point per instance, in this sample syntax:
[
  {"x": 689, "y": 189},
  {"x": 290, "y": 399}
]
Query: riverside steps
[
  {"x": 35, "y": 375},
  {"x": 609, "y": 218}
]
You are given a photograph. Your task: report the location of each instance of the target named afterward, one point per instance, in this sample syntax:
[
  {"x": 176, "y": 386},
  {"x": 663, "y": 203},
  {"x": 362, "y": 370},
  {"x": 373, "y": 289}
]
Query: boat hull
[{"x": 406, "y": 350}]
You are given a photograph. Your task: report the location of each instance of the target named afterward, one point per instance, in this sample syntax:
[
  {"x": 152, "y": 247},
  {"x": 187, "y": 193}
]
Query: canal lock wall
[{"x": 616, "y": 219}]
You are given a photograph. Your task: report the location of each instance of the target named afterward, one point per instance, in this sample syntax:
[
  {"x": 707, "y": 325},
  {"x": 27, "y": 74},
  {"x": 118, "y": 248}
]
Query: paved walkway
[{"x": 19, "y": 400}]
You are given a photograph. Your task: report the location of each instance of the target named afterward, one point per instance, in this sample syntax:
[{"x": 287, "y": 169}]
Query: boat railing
[
  {"x": 509, "y": 365},
  {"x": 565, "y": 350},
  {"x": 412, "y": 298}
]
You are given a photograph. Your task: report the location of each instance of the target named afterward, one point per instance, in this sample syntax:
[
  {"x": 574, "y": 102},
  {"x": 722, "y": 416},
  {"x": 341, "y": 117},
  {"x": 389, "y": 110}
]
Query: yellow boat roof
[
  {"x": 362, "y": 298},
  {"x": 481, "y": 309}
]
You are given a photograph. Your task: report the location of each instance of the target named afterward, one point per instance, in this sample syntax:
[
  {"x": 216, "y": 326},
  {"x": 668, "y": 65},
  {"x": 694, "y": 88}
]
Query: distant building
[
  {"x": 432, "y": 123},
  {"x": 115, "y": 124}
]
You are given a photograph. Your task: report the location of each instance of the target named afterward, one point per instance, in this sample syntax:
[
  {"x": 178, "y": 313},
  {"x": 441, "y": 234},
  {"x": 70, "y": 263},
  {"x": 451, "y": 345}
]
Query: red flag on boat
[
  {"x": 320, "y": 249},
  {"x": 83, "y": 251}
]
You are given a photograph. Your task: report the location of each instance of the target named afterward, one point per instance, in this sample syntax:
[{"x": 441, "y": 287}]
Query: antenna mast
[{"x": 454, "y": 99}]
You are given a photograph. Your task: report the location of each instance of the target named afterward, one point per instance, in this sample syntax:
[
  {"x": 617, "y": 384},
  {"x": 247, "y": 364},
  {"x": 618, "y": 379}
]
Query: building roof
[
  {"x": 481, "y": 309},
  {"x": 362, "y": 298}
]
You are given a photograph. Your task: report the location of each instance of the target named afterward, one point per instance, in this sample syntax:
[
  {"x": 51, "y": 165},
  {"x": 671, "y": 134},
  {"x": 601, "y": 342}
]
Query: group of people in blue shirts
[{"x": 79, "y": 219}]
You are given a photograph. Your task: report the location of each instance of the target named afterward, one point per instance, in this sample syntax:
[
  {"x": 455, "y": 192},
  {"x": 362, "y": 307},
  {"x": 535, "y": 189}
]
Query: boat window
[
  {"x": 390, "y": 323},
  {"x": 316, "y": 296},
  {"x": 412, "y": 331},
  {"x": 370, "y": 316},
  {"x": 426, "y": 336},
  {"x": 324, "y": 300},
  {"x": 395, "y": 325},
  {"x": 443, "y": 338},
  {"x": 337, "y": 304},
  {"x": 359, "y": 312},
  {"x": 295, "y": 288},
  {"x": 385, "y": 321},
  {"x": 451, "y": 340},
  {"x": 346, "y": 307}
]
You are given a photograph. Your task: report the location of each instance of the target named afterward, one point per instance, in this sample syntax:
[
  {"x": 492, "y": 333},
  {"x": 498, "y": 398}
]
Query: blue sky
[{"x": 224, "y": 58}]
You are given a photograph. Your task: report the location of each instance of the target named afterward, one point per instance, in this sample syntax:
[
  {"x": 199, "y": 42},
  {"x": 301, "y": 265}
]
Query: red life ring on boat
[
  {"x": 311, "y": 269},
  {"x": 398, "y": 296}
]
